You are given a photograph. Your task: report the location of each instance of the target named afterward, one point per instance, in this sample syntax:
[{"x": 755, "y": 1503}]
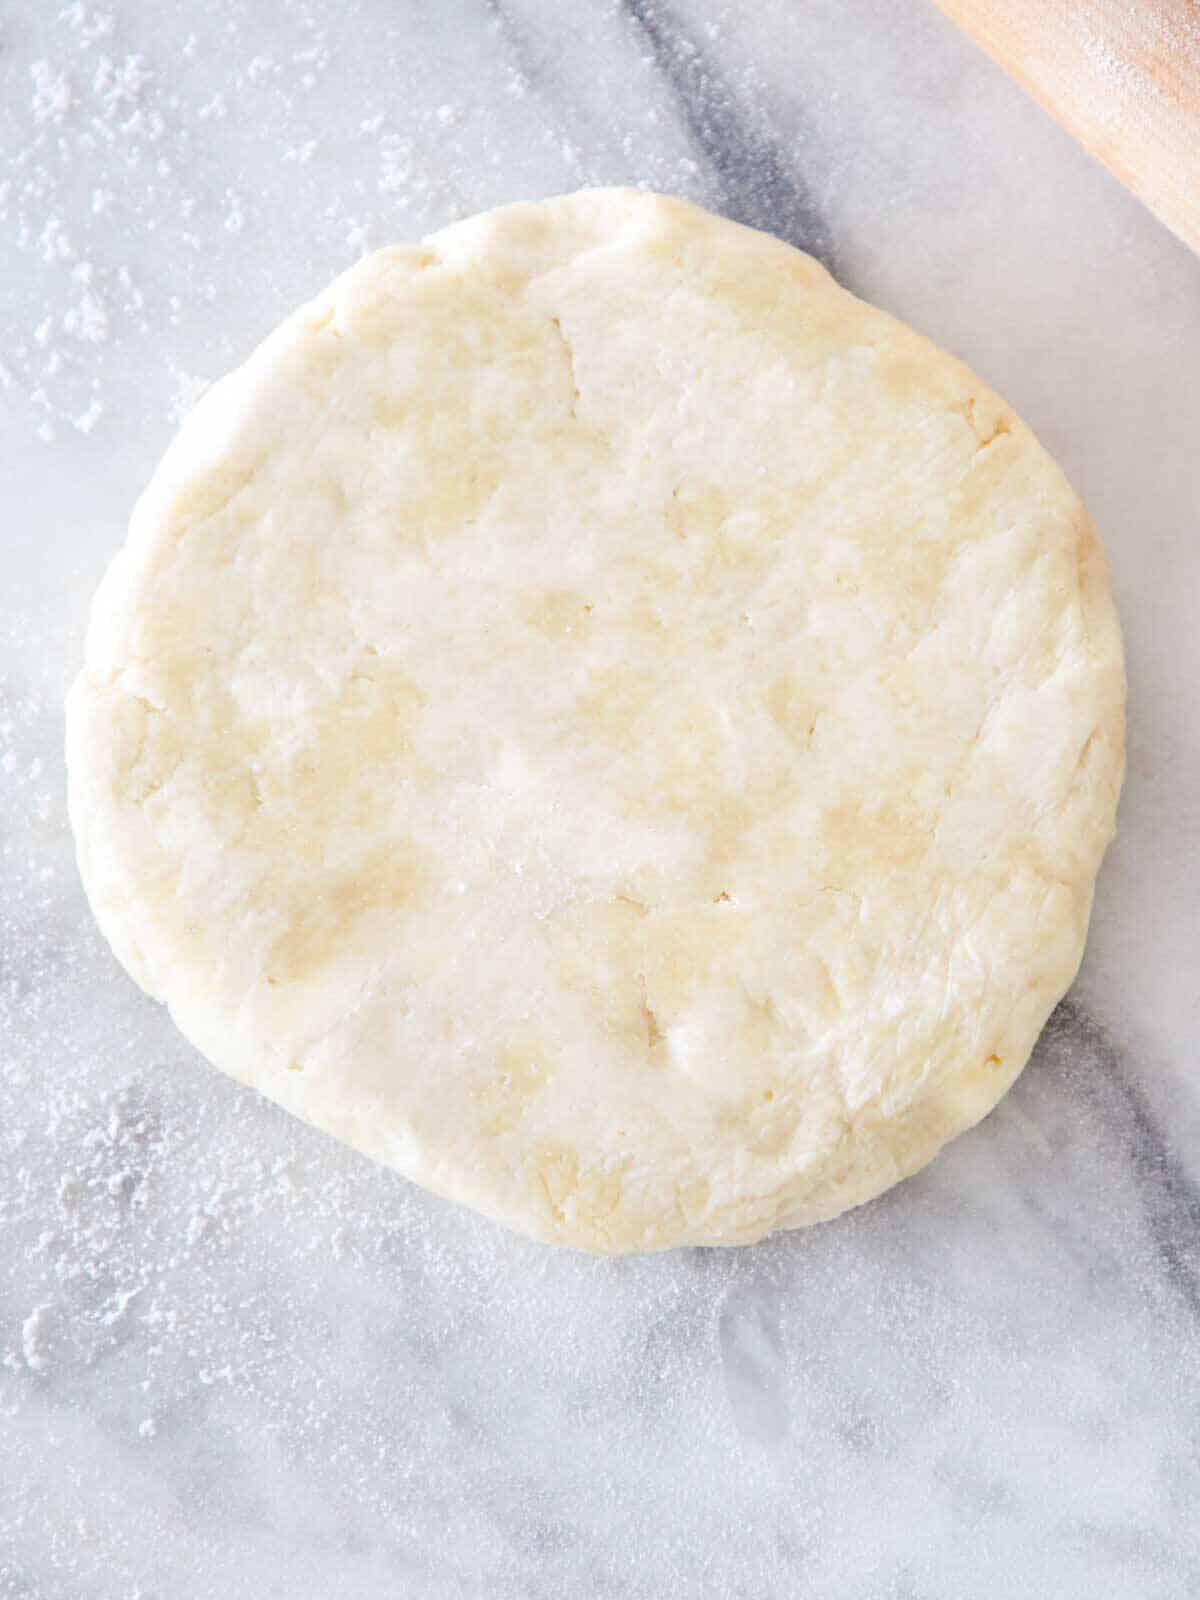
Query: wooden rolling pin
[{"x": 1123, "y": 76}]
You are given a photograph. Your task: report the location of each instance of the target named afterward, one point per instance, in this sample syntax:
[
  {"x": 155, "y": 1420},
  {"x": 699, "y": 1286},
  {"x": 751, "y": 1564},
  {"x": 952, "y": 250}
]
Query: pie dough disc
[{"x": 600, "y": 719}]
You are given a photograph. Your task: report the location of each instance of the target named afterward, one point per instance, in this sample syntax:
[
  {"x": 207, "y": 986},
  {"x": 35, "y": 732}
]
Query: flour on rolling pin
[{"x": 1123, "y": 79}]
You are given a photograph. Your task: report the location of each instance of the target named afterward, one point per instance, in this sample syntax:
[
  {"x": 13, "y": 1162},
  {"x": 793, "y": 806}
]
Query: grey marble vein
[
  {"x": 755, "y": 179},
  {"x": 1170, "y": 1197}
]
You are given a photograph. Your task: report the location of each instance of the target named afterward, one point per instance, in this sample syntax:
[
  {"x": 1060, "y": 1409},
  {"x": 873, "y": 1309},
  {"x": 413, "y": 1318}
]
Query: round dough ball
[{"x": 604, "y": 721}]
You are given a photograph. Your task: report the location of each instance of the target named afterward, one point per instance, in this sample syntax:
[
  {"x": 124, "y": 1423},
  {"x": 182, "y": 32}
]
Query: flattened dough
[{"x": 604, "y": 721}]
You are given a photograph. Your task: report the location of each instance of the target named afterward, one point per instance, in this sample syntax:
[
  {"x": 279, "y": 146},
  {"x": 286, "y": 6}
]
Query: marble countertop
[{"x": 237, "y": 1360}]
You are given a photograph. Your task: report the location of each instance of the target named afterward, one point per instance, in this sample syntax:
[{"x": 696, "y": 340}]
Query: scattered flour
[
  {"x": 34, "y": 1337},
  {"x": 134, "y": 173},
  {"x": 52, "y": 93},
  {"x": 188, "y": 389}
]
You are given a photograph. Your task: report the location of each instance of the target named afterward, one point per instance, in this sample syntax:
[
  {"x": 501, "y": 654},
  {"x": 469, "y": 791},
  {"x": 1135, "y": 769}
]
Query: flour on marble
[
  {"x": 34, "y": 1337},
  {"x": 122, "y": 150}
]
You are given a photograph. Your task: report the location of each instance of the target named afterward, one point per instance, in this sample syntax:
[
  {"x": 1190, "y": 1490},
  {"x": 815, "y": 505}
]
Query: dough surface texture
[{"x": 599, "y": 718}]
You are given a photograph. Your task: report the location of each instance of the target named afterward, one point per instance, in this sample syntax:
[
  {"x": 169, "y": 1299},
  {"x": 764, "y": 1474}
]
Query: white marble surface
[{"x": 237, "y": 1360}]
